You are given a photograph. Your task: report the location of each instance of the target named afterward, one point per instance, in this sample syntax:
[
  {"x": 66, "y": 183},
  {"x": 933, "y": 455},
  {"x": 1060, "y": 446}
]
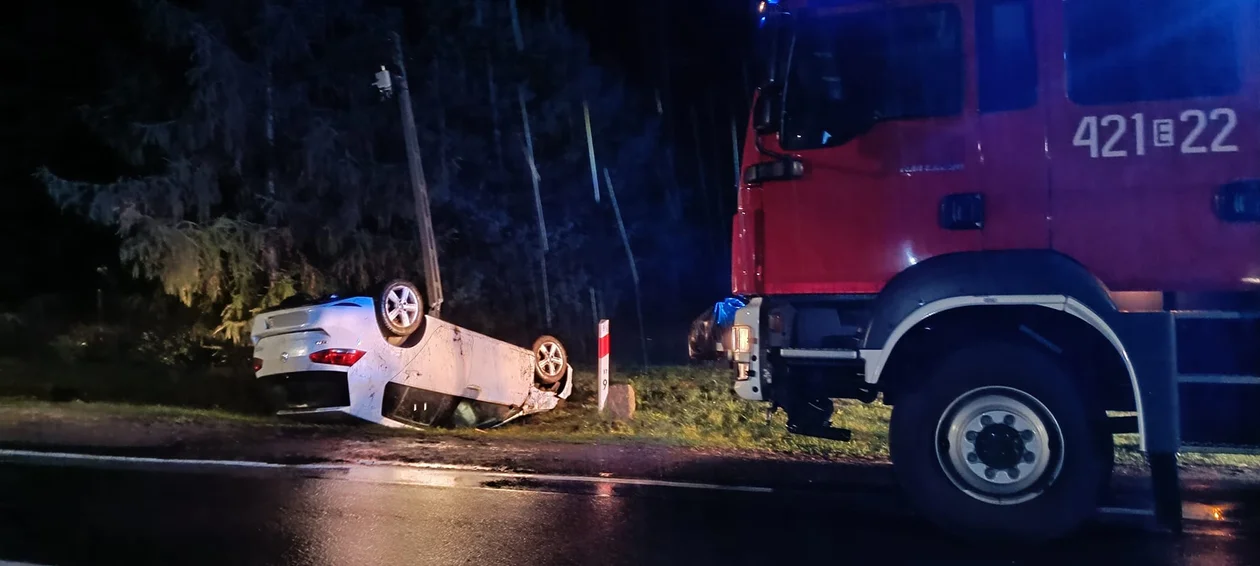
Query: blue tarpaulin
[{"x": 724, "y": 311}]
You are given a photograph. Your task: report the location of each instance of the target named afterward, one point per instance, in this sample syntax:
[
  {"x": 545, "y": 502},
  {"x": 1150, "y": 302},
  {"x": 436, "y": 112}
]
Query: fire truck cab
[{"x": 1026, "y": 225}]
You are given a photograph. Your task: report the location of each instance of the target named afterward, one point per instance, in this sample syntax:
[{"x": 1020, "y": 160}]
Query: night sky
[{"x": 52, "y": 68}]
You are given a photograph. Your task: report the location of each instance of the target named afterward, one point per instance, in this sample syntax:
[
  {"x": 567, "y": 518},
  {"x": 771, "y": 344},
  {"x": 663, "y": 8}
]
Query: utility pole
[{"x": 420, "y": 191}]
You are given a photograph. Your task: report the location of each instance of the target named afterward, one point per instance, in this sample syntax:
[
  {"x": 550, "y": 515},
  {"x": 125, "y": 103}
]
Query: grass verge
[
  {"x": 15, "y": 406},
  {"x": 695, "y": 407}
]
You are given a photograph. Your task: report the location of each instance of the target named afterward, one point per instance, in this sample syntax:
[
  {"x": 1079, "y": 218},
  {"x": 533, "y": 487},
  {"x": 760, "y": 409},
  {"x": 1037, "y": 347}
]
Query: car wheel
[
  {"x": 1000, "y": 445},
  {"x": 400, "y": 308},
  {"x": 551, "y": 362}
]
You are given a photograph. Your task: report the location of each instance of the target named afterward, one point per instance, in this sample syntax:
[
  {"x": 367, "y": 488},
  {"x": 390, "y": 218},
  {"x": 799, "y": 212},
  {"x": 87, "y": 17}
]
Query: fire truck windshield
[{"x": 845, "y": 72}]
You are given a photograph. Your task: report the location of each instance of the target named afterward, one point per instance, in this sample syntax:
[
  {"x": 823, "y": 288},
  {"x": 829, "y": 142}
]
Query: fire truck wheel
[
  {"x": 399, "y": 308},
  {"x": 998, "y": 444},
  {"x": 551, "y": 362}
]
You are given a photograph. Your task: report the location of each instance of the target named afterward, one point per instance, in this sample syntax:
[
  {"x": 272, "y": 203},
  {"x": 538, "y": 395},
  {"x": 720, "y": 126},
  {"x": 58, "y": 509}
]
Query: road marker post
[{"x": 603, "y": 363}]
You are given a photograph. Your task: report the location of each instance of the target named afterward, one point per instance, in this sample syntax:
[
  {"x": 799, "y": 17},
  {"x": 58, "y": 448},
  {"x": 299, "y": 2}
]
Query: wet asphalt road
[{"x": 57, "y": 515}]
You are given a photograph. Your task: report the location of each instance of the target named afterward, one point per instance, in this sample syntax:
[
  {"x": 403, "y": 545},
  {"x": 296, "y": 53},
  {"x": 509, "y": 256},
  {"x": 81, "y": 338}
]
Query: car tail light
[
  {"x": 337, "y": 357},
  {"x": 257, "y": 364}
]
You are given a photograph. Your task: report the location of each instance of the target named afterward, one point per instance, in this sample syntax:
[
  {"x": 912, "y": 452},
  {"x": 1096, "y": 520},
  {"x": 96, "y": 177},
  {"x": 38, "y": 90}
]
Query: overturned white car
[{"x": 379, "y": 359}]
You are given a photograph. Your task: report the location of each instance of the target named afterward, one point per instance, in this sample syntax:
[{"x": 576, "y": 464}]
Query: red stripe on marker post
[
  {"x": 604, "y": 349},
  {"x": 603, "y": 340}
]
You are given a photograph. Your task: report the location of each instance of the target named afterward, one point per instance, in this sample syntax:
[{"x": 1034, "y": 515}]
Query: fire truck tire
[{"x": 998, "y": 444}]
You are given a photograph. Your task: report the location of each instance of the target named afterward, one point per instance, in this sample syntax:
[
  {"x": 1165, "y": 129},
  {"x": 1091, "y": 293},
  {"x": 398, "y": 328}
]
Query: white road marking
[
  {"x": 89, "y": 458},
  {"x": 1126, "y": 511},
  {"x": 427, "y": 465},
  {"x": 429, "y": 474}
]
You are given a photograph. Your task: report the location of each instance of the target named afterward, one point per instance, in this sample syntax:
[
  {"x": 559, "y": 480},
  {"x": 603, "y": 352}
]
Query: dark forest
[{"x": 174, "y": 166}]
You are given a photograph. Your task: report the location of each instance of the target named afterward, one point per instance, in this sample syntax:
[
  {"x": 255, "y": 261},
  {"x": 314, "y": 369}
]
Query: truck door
[
  {"x": 1157, "y": 107},
  {"x": 1011, "y": 126},
  {"x": 875, "y": 105}
]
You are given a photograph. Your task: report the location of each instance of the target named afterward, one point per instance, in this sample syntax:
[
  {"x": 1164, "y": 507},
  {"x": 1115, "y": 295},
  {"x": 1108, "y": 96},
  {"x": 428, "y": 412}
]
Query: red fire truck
[{"x": 1026, "y": 225}]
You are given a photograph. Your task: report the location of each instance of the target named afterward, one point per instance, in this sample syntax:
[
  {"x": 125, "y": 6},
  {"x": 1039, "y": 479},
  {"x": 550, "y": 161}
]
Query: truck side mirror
[
  {"x": 771, "y": 41},
  {"x": 768, "y": 110},
  {"x": 770, "y": 44}
]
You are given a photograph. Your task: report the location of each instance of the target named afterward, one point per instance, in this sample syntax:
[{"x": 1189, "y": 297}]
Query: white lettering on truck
[{"x": 1107, "y": 136}]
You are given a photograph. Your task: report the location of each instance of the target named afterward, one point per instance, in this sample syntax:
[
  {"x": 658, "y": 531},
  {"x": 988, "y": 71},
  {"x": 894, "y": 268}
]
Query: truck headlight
[{"x": 741, "y": 339}]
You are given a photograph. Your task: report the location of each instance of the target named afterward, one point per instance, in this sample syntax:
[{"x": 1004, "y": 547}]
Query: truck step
[
  {"x": 1219, "y": 379},
  {"x": 1127, "y": 511},
  {"x": 818, "y": 354},
  {"x": 1215, "y": 315},
  {"x": 829, "y": 433}
]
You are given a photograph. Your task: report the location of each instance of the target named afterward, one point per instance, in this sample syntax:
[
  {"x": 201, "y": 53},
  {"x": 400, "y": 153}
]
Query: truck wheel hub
[{"x": 999, "y": 445}]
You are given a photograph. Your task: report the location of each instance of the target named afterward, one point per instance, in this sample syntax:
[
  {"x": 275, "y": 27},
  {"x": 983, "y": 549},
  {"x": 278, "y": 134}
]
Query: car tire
[
  {"x": 551, "y": 361},
  {"x": 400, "y": 308},
  {"x": 1000, "y": 445}
]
